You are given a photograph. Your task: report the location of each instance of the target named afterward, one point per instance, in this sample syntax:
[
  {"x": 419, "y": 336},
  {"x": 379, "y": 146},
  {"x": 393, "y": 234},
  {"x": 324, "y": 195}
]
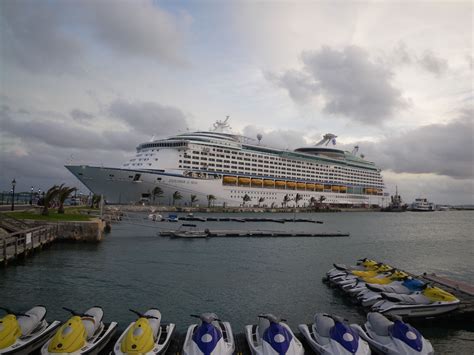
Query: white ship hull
[{"x": 127, "y": 186}]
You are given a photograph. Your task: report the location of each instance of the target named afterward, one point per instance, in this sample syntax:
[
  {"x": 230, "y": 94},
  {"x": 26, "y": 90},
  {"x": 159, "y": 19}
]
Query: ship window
[{"x": 136, "y": 177}]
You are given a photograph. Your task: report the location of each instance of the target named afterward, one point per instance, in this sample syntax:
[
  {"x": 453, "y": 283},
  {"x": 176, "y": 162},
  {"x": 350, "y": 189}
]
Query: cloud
[
  {"x": 81, "y": 116},
  {"x": 432, "y": 63},
  {"x": 149, "y": 117},
  {"x": 32, "y": 37},
  {"x": 439, "y": 149},
  {"x": 56, "y": 37},
  {"x": 349, "y": 83},
  {"x": 282, "y": 139},
  {"x": 138, "y": 28}
]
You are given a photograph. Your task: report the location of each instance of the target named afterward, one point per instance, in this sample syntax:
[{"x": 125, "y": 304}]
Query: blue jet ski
[
  {"x": 331, "y": 335},
  {"x": 397, "y": 337},
  {"x": 211, "y": 337}
]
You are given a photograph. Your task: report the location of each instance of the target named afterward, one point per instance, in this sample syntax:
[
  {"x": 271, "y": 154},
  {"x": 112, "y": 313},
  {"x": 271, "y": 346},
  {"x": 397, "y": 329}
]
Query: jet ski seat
[
  {"x": 263, "y": 324},
  {"x": 379, "y": 323},
  {"x": 93, "y": 321},
  {"x": 323, "y": 324},
  {"x": 29, "y": 323},
  {"x": 154, "y": 323}
]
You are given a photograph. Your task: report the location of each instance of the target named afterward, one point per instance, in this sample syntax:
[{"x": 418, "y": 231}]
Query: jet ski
[
  {"x": 211, "y": 337},
  {"x": 333, "y": 336},
  {"x": 350, "y": 277},
  {"x": 393, "y": 338},
  {"x": 272, "y": 336},
  {"x": 357, "y": 285},
  {"x": 362, "y": 264},
  {"x": 22, "y": 333},
  {"x": 374, "y": 291},
  {"x": 429, "y": 302},
  {"x": 146, "y": 335},
  {"x": 83, "y": 333}
]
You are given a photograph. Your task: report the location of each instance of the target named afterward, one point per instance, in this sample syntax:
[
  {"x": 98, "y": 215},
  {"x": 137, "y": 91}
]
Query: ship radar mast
[
  {"x": 327, "y": 138},
  {"x": 221, "y": 126},
  {"x": 355, "y": 150}
]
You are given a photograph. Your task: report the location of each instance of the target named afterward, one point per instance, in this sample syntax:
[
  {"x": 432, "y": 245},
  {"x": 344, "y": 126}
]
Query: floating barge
[{"x": 246, "y": 233}]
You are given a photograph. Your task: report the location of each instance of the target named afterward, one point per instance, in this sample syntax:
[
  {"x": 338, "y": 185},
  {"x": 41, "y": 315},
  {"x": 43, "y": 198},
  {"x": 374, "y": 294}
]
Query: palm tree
[
  {"x": 63, "y": 194},
  {"x": 321, "y": 200},
  {"x": 48, "y": 198},
  {"x": 176, "y": 196},
  {"x": 210, "y": 198},
  {"x": 193, "y": 199},
  {"x": 298, "y": 197},
  {"x": 260, "y": 200},
  {"x": 246, "y": 198},
  {"x": 312, "y": 201},
  {"x": 95, "y": 201},
  {"x": 286, "y": 199},
  {"x": 157, "y": 192}
]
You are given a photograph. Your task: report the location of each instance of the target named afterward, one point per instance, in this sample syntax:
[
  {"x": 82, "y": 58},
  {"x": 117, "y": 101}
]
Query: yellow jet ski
[
  {"x": 146, "y": 335},
  {"x": 83, "y": 333},
  {"x": 22, "y": 333}
]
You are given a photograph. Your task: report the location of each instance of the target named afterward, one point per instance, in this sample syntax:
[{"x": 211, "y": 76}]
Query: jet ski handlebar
[
  {"x": 141, "y": 315},
  {"x": 271, "y": 318},
  {"x": 74, "y": 313},
  {"x": 336, "y": 318},
  {"x": 206, "y": 317},
  {"x": 9, "y": 311}
]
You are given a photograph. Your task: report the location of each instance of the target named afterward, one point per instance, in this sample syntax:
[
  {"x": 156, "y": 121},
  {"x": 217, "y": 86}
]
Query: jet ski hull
[
  {"x": 161, "y": 345},
  {"x": 413, "y": 310},
  {"x": 28, "y": 344}
]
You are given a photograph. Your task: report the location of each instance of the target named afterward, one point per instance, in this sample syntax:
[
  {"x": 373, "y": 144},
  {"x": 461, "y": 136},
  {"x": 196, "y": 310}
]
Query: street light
[
  {"x": 31, "y": 196},
  {"x": 13, "y": 194}
]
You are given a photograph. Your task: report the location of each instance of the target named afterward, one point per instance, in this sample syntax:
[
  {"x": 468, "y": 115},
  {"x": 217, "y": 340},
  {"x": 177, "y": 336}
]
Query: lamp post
[
  {"x": 31, "y": 196},
  {"x": 13, "y": 194}
]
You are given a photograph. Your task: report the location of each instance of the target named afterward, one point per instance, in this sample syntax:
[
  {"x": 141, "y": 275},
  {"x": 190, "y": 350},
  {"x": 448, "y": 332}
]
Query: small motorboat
[
  {"x": 211, "y": 337},
  {"x": 83, "y": 333},
  {"x": 393, "y": 338},
  {"x": 272, "y": 336},
  {"x": 331, "y": 335},
  {"x": 146, "y": 335},
  {"x": 23, "y": 333}
]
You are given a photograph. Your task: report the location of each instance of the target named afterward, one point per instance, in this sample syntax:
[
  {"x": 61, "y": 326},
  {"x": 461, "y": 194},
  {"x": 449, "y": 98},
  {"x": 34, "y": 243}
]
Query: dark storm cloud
[
  {"x": 149, "y": 118},
  {"x": 349, "y": 83},
  {"x": 432, "y": 63},
  {"x": 54, "y": 37},
  {"x": 80, "y": 115},
  {"x": 441, "y": 149},
  {"x": 301, "y": 87}
]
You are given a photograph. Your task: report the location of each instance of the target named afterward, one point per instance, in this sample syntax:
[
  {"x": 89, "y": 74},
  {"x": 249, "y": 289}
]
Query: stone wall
[{"x": 87, "y": 231}]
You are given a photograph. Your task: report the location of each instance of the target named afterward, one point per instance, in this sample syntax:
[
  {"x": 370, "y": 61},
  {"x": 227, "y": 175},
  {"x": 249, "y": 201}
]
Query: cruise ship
[{"x": 236, "y": 170}]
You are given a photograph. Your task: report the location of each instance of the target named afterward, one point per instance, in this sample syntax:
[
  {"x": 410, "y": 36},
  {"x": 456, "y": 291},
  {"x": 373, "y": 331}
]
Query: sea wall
[{"x": 86, "y": 231}]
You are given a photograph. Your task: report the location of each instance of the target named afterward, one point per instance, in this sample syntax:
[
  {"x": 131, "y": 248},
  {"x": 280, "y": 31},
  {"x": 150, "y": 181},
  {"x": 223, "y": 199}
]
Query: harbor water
[{"x": 238, "y": 278}]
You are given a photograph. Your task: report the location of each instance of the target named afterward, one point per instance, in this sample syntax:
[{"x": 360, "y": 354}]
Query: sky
[{"x": 84, "y": 82}]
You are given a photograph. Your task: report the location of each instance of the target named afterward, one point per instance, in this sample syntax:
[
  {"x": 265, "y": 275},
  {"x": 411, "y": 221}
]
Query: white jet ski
[
  {"x": 271, "y": 336},
  {"x": 211, "y": 337},
  {"x": 393, "y": 338},
  {"x": 22, "y": 333},
  {"x": 83, "y": 333},
  {"x": 331, "y": 335},
  {"x": 146, "y": 335}
]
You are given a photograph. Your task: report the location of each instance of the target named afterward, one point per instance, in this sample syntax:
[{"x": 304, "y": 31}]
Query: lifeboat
[
  {"x": 244, "y": 181},
  {"x": 327, "y": 187},
  {"x": 343, "y": 189},
  {"x": 319, "y": 187},
  {"x": 229, "y": 179},
  {"x": 310, "y": 187},
  {"x": 335, "y": 189},
  {"x": 257, "y": 182},
  {"x": 280, "y": 184},
  {"x": 268, "y": 183},
  {"x": 290, "y": 184},
  {"x": 301, "y": 186},
  {"x": 368, "y": 191}
]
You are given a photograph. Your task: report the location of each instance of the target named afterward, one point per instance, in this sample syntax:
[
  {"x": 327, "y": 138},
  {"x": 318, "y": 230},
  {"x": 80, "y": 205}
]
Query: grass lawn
[{"x": 53, "y": 216}]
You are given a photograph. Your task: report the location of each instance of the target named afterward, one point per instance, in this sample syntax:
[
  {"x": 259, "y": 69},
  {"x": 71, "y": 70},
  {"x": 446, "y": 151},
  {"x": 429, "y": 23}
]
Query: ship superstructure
[{"x": 230, "y": 166}]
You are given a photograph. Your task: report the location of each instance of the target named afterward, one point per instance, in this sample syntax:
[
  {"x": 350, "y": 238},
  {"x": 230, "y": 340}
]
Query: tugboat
[{"x": 396, "y": 204}]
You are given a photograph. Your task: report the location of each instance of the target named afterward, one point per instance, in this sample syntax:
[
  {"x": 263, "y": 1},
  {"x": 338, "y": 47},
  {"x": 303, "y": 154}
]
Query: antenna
[
  {"x": 355, "y": 150},
  {"x": 259, "y": 137},
  {"x": 362, "y": 156}
]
